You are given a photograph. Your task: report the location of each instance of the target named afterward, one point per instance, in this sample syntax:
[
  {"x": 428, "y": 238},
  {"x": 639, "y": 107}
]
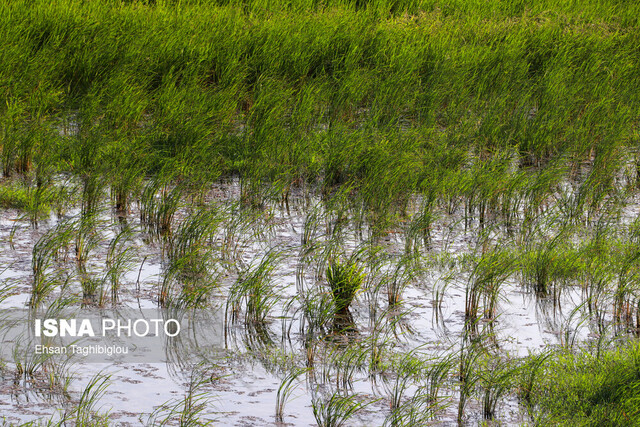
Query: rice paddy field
[{"x": 393, "y": 212}]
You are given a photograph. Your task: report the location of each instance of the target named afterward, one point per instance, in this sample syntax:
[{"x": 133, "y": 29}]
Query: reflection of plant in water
[
  {"x": 119, "y": 260},
  {"x": 51, "y": 247}
]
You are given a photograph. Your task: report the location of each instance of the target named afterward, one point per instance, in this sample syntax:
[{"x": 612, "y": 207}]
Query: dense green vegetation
[
  {"x": 587, "y": 390},
  {"x": 515, "y": 121},
  {"x": 388, "y": 97}
]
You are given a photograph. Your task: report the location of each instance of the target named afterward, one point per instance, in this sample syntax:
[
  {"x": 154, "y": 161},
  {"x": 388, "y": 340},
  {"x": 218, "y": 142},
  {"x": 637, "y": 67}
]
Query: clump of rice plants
[
  {"x": 284, "y": 391},
  {"x": 158, "y": 204},
  {"x": 495, "y": 379},
  {"x": 51, "y": 247},
  {"x": 86, "y": 411},
  {"x": 191, "y": 270},
  {"x": 254, "y": 291},
  {"x": 336, "y": 410},
  {"x": 345, "y": 280}
]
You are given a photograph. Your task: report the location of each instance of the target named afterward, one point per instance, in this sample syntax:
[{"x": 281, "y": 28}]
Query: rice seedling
[
  {"x": 495, "y": 378},
  {"x": 336, "y": 410},
  {"x": 188, "y": 411},
  {"x": 546, "y": 263},
  {"x": 285, "y": 390},
  {"x": 254, "y": 292},
  {"x": 427, "y": 377},
  {"x": 529, "y": 374},
  {"x": 345, "y": 280},
  {"x": 182, "y": 286},
  {"x": 417, "y": 410},
  {"x": 624, "y": 292},
  {"x": 317, "y": 313},
  {"x": 27, "y": 364},
  {"x": 86, "y": 241},
  {"x": 403, "y": 273},
  {"x": 86, "y": 411},
  {"x": 345, "y": 361},
  {"x": 407, "y": 372},
  {"x": 119, "y": 261},
  {"x": 420, "y": 226},
  {"x": 467, "y": 376},
  {"x": 488, "y": 274},
  {"x": 191, "y": 264},
  {"x": 238, "y": 226},
  {"x": 158, "y": 204},
  {"x": 51, "y": 245}
]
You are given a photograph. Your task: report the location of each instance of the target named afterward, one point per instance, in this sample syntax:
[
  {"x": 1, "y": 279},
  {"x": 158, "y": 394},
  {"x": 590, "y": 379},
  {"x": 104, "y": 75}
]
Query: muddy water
[{"x": 242, "y": 377}]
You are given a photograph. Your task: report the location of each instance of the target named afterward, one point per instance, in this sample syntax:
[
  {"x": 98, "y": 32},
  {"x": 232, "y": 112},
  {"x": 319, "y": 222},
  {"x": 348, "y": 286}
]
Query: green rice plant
[
  {"x": 427, "y": 377},
  {"x": 496, "y": 377},
  {"x": 627, "y": 273},
  {"x": 570, "y": 326},
  {"x": 194, "y": 233},
  {"x": 119, "y": 260},
  {"x": 254, "y": 291},
  {"x": 336, "y": 214},
  {"x": 530, "y": 372},
  {"x": 419, "y": 229},
  {"x": 345, "y": 360},
  {"x": 336, "y": 410},
  {"x": 125, "y": 178},
  {"x": 467, "y": 376},
  {"x": 488, "y": 274},
  {"x": 28, "y": 364},
  {"x": 285, "y": 390},
  {"x": 36, "y": 202},
  {"x": 345, "y": 280},
  {"x": 48, "y": 248},
  {"x": 417, "y": 410},
  {"x": 187, "y": 281},
  {"x": 159, "y": 202},
  {"x": 317, "y": 313},
  {"x": 407, "y": 373},
  {"x": 187, "y": 411},
  {"x": 436, "y": 376},
  {"x": 191, "y": 265},
  {"x": 87, "y": 239},
  {"x": 238, "y": 225},
  {"x": 311, "y": 226},
  {"x": 403, "y": 273},
  {"x": 86, "y": 411}
]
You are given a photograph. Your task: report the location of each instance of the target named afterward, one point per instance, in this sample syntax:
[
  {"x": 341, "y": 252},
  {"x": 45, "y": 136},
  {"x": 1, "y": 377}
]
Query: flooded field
[
  {"x": 283, "y": 354},
  {"x": 333, "y": 213}
]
